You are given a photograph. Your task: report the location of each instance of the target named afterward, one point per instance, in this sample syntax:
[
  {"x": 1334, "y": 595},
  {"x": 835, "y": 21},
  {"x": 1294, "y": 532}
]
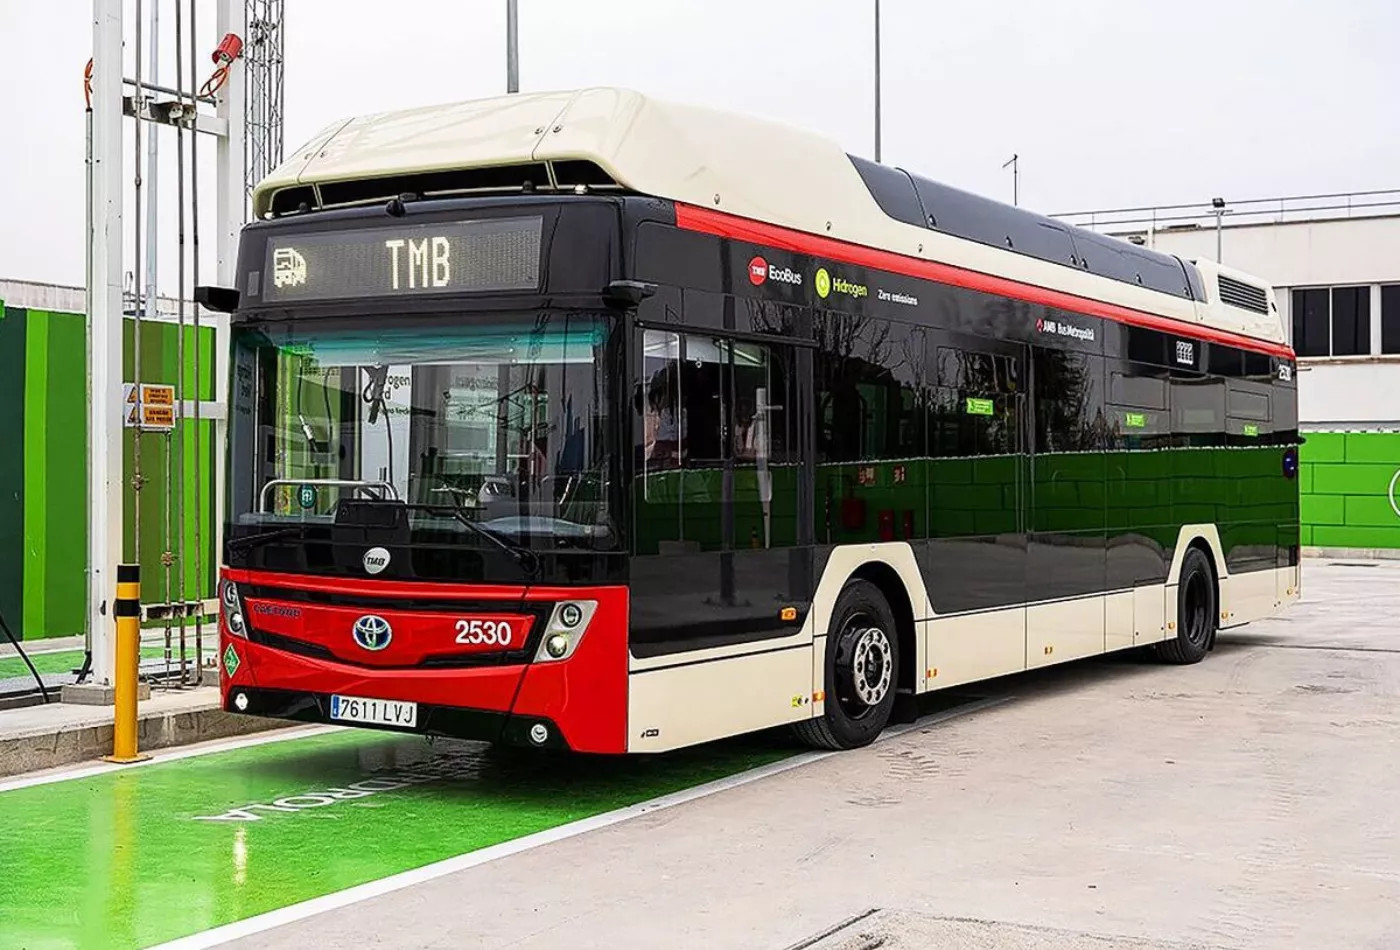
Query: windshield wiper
[
  {"x": 529, "y": 561},
  {"x": 262, "y": 537}
]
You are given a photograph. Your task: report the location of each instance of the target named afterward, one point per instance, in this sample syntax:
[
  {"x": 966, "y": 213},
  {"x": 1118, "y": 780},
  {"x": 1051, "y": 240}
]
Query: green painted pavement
[
  {"x": 137, "y": 857},
  {"x": 62, "y": 661}
]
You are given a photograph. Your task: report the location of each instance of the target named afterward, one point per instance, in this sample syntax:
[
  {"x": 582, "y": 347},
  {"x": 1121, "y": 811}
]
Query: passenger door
[
  {"x": 1068, "y": 562},
  {"x": 719, "y": 550},
  {"x": 979, "y": 507}
]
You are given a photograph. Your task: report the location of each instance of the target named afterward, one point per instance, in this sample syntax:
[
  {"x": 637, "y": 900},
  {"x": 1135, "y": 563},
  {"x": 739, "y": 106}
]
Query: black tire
[
  {"x": 1196, "y": 611},
  {"x": 862, "y": 671}
]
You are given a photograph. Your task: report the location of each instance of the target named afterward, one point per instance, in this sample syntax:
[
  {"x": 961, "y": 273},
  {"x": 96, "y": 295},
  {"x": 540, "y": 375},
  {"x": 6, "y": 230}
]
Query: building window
[
  {"x": 1351, "y": 321},
  {"x": 1390, "y": 318},
  {"x": 1311, "y": 333},
  {"x": 1332, "y": 321}
]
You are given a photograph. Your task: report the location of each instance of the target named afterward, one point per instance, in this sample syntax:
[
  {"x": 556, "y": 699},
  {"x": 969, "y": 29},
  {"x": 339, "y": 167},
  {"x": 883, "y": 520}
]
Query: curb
[{"x": 156, "y": 730}]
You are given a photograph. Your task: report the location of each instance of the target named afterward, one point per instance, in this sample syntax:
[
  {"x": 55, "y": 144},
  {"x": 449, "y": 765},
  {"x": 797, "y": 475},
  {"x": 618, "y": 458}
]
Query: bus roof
[{"x": 752, "y": 168}]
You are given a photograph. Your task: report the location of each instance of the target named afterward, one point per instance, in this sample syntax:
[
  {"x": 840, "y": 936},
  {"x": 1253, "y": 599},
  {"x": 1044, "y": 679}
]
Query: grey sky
[{"x": 1108, "y": 102}]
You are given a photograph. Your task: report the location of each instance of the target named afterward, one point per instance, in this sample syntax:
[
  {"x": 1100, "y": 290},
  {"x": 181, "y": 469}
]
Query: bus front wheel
[{"x": 862, "y": 671}]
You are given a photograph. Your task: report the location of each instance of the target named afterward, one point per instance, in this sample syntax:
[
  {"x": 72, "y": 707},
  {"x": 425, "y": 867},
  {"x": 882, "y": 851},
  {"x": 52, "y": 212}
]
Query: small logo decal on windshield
[{"x": 376, "y": 559}]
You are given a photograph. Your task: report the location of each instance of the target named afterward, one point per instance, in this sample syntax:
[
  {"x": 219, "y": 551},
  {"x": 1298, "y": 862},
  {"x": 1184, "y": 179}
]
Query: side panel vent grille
[{"x": 1237, "y": 293}]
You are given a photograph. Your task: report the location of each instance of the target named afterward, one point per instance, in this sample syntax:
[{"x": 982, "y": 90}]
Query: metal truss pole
[
  {"x": 230, "y": 214},
  {"x": 104, "y": 306},
  {"x": 262, "y": 61}
]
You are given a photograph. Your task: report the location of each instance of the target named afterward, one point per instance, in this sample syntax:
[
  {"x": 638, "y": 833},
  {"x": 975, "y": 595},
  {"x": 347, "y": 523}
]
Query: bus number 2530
[{"x": 484, "y": 632}]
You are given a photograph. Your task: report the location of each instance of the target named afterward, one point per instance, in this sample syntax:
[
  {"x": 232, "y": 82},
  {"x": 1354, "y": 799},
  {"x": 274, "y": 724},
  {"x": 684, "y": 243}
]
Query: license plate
[{"x": 379, "y": 712}]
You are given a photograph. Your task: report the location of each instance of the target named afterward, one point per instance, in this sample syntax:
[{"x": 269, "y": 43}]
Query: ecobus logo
[{"x": 760, "y": 271}]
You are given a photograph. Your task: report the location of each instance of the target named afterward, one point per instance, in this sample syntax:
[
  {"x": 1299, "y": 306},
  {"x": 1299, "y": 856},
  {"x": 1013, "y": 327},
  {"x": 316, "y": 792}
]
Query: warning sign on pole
[
  {"x": 157, "y": 417},
  {"x": 157, "y": 395},
  {"x": 153, "y": 408}
]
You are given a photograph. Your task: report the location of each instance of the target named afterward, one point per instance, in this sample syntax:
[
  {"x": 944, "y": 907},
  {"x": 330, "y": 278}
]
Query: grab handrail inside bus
[{"x": 384, "y": 489}]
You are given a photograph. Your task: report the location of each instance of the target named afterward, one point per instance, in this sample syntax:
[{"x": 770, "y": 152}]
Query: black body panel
[{"x": 1027, "y": 453}]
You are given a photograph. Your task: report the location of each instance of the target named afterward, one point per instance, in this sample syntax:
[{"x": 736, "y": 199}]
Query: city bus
[{"x": 587, "y": 421}]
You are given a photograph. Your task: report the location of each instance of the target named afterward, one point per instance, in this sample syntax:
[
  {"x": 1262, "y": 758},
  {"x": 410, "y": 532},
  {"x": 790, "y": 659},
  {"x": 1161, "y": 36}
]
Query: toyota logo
[{"x": 372, "y": 633}]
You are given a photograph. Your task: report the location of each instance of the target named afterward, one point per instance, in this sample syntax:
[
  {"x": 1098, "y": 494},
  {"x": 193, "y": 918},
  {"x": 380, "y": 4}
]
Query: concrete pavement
[{"x": 1249, "y": 801}]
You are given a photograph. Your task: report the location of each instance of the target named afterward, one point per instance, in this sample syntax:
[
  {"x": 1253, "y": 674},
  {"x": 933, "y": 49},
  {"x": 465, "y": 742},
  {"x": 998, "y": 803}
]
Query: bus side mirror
[
  {"x": 627, "y": 293},
  {"x": 218, "y": 299}
]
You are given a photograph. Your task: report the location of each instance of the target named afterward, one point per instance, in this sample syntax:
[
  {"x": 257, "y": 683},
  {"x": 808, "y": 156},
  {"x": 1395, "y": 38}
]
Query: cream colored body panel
[
  {"x": 1150, "y": 613},
  {"x": 1193, "y": 532},
  {"x": 965, "y": 648},
  {"x": 1252, "y": 596},
  {"x": 738, "y": 164},
  {"x": 697, "y": 702},
  {"x": 1119, "y": 615},
  {"x": 1064, "y": 630}
]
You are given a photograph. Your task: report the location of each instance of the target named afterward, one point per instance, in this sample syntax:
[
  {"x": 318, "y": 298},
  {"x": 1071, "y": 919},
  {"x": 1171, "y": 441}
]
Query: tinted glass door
[{"x": 716, "y": 452}]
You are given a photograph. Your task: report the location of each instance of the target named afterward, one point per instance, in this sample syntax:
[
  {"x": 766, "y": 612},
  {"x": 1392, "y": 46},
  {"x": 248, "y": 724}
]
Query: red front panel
[
  {"x": 585, "y": 696},
  {"x": 588, "y": 691},
  {"x": 491, "y": 688},
  {"x": 417, "y": 635}
]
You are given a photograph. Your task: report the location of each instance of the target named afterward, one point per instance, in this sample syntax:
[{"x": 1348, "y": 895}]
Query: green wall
[
  {"x": 12, "y": 365},
  {"x": 1345, "y": 478},
  {"x": 159, "y": 501},
  {"x": 43, "y": 470},
  {"x": 55, "y": 474}
]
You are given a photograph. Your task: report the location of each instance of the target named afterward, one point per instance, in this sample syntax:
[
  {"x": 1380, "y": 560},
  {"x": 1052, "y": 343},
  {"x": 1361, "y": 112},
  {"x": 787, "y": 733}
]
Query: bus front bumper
[{"x": 458, "y": 722}]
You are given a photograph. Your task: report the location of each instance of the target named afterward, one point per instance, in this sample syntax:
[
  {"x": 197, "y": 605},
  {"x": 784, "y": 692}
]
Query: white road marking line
[
  {"x": 396, "y": 882},
  {"x": 168, "y": 755}
]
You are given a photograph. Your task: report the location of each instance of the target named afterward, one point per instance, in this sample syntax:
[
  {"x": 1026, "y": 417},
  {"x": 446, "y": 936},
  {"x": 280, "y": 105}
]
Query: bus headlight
[
  {"x": 232, "y": 605},
  {"x": 567, "y": 626}
]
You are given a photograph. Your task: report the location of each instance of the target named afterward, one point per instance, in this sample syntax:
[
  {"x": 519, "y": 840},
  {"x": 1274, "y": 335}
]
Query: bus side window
[
  {"x": 663, "y": 418},
  {"x": 761, "y": 404}
]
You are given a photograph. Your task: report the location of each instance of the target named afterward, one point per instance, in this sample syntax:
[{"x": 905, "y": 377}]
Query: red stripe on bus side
[{"x": 719, "y": 224}]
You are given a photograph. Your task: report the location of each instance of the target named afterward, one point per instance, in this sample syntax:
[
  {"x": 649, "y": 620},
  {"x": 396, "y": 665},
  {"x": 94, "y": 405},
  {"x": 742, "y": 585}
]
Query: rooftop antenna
[
  {"x": 877, "y": 80},
  {"x": 512, "y": 46},
  {"x": 1014, "y": 163}
]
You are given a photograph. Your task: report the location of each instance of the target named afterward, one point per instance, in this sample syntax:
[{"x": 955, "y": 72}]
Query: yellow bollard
[{"x": 127, "y": 611}]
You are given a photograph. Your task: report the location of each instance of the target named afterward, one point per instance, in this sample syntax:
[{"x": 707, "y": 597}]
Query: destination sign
[{"x": 454, "y": 257}]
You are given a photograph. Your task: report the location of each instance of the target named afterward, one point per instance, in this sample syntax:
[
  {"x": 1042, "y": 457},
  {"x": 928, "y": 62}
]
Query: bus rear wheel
[
  {"x": 862, "y": 671},
  {"x": 1195, "y": 611}
]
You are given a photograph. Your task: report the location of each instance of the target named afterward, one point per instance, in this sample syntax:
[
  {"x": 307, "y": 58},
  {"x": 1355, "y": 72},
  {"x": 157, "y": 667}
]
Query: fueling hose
[{"x": 43, "y": 690}]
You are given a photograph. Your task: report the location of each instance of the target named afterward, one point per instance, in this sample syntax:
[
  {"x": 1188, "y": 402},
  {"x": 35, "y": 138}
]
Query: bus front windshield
[{"x": 500, "y": 421}]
